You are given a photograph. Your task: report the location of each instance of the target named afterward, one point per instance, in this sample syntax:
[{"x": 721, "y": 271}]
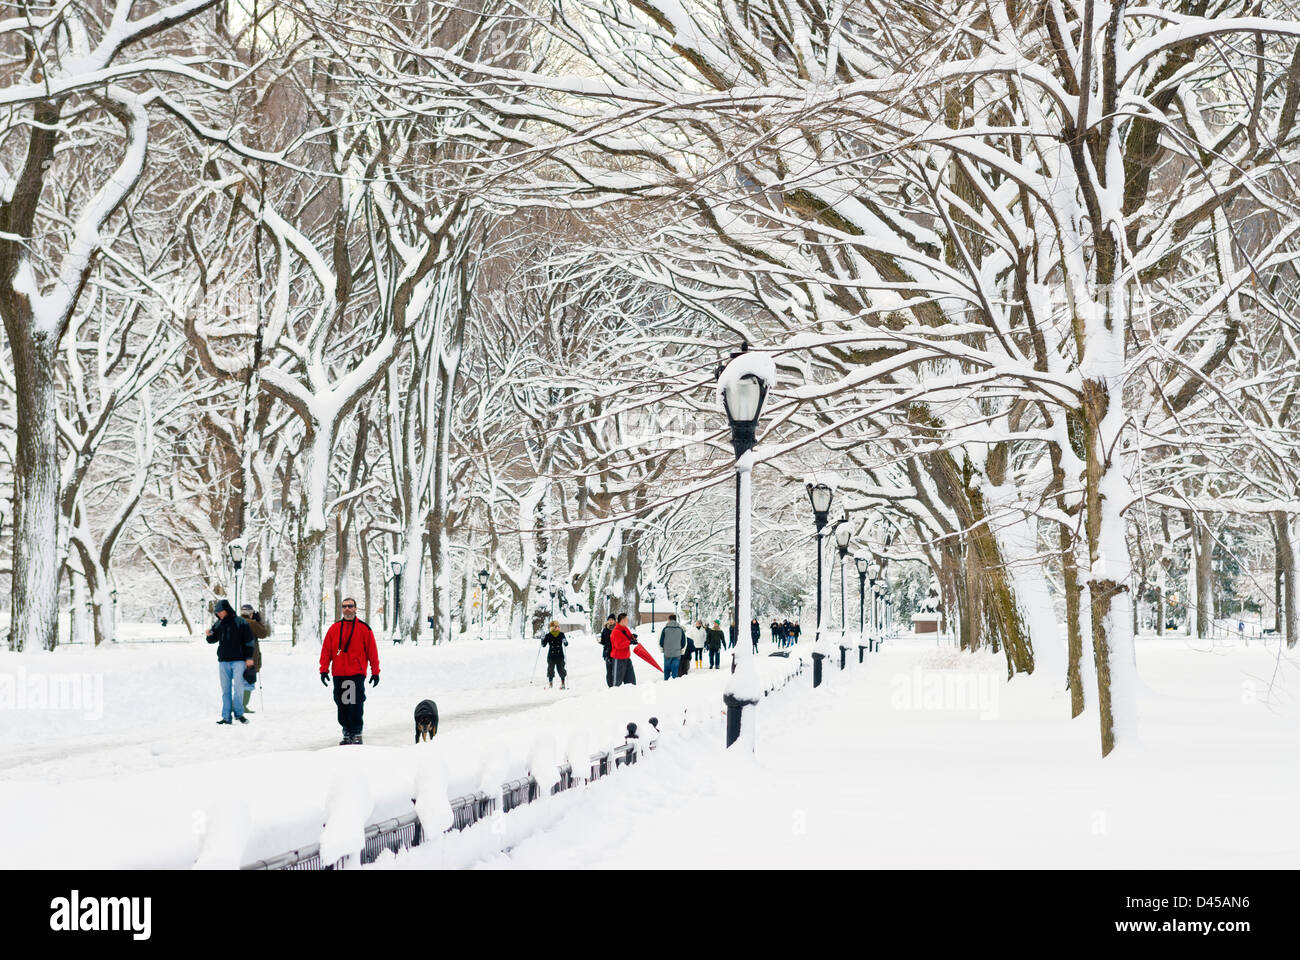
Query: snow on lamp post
[
  {"x": 482, "y": 593},
  {"x": 819, "y": 495},
  {"x": 552, "y": 589},
  {"x": 650, "y": 593},
  {"x": 742, "y": 387},
  {"x": 397, "y": 562},
  {"x": 236, "y": 550}
]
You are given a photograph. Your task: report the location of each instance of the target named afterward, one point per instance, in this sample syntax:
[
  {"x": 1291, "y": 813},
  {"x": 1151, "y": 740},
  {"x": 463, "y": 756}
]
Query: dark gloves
[
  {"x": 324, "y": 679},
  {"x": 374, "y": 680}
]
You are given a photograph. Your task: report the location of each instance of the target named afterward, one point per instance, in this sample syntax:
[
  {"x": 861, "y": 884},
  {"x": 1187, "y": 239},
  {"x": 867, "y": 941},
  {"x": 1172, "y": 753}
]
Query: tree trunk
[
  {"x": 309, "y": 570},
  {"x": 1074, "y": 635},
  {"x": 1109, "y": 562},
  {"x": 35, "y": 590},
  {"x": 1204, "y": 582}
]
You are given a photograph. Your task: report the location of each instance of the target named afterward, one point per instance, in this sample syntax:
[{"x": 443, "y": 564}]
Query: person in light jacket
[{"x": 696, "y": 633}]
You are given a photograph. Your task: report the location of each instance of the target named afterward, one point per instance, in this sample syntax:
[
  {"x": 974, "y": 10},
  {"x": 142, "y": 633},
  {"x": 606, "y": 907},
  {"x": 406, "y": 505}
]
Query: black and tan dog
[{"x": 426, "y": 720}]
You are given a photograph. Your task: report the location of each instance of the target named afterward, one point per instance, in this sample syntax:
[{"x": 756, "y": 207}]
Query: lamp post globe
[
  {"x": 236, "y": 550},
  {"x": 743, "y": 383}
]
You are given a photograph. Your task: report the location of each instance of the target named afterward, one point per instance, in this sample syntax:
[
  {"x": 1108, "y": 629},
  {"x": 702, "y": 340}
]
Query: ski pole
[{"x": 534, "y": 671}]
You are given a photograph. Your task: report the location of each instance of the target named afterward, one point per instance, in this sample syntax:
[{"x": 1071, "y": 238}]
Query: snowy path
[{"x": 921, "y": 758}]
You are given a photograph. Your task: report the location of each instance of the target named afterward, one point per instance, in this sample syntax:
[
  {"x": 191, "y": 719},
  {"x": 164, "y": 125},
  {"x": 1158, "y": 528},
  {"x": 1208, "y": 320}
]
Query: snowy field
[{"x": 920, "y": 758}]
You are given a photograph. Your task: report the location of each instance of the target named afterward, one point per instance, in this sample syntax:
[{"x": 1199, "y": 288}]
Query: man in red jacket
[
  {"x": 349, "y": 644},
  {"x": 621, "y": 641}
]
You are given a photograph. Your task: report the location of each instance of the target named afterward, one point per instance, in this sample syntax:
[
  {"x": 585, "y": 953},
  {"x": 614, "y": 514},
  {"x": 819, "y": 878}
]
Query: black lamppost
[
  {"x": 650, "y": 593},
  {"x": 112, "y": 595},
  {"x": 695, "y": 608},
  {"x": 798, "y": 614},
  {"x": 552, "y": 590},
  {"x": 236, "y": 550},
  {"x": 843, "y": 534},
  {"x": 861, "y": 563},
  {"x": 482, "y": 596},
  {"x": 873, "y": 574},
  {"x": 742, "y": 387},
  {"x": 819, "y": 495},
  {"x": 397, "y": 562}
]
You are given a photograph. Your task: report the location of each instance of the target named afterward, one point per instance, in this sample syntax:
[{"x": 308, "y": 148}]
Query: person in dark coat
[
  {"x": 349, "y": 645},
  {"x": 605, "y": 648},
  {"x": 235, "y": 649},
  {"x": 713, "y": 644},
  {"x": 731, "y": 634},
  {"x": 555, "y": 640},
  {"x": 260, "y": 632},
  {"x": 754, "y": 632}
]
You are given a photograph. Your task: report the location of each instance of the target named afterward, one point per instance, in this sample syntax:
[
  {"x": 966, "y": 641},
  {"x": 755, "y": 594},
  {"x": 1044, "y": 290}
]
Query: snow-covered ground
[
  {"x": 921, "y": 757},
  {"x": 929, "y": 759}
]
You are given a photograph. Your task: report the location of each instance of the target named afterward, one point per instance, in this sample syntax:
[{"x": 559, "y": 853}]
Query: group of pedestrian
[
  {"x": 349, "y": 647},
  {"x": 785, "y": 632}
]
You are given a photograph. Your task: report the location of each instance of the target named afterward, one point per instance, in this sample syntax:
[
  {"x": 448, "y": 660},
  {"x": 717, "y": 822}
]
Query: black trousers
[
  {"x": 553, "y": 665},
  {"x": 609, "y": 671},
  {"x": 350, "y": 696},
  {"x": 715, "y": 657},
  {"x": 623, "y": 672}
]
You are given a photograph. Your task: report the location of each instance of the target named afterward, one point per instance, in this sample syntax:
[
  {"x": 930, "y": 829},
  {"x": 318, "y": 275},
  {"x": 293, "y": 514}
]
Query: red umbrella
[{"x": 644, "y": 654}]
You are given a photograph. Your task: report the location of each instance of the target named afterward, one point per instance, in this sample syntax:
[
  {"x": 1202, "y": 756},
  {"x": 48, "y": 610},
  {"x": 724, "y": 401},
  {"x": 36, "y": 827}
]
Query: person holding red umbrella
[{"x": 622, "y": 642}]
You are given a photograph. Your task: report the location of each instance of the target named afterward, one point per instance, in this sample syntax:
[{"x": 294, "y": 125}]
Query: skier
[
  {"x": 621, "y": 641},
  {"x": 349, "y": 645},
  {"x": 235, "y": 647},
  {"x": 672, "y": 638},
  {"x": 260, "y": 632},
  {"x": 713, "y": 643},
  {"x": 604, "y": 649},
  {"x": 555, "y": 655}
]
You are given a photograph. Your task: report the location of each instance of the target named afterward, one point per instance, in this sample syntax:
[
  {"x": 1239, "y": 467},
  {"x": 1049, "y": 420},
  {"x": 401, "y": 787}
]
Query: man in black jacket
[
  {"x": 605, "y": 649},
  {"x": 235, "y": 648}
]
